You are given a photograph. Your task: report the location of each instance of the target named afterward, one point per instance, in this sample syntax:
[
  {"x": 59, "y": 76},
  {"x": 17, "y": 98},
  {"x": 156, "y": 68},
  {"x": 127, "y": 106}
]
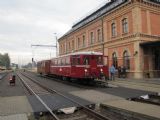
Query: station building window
[
  {"x": 92, "y": 37},
  {"x": 113, "y": 27},
  {"x": 61, "y": 49},
  {"x": 84, "y": 40},
  {"x": 78, "y": 43},
  {"x": 126, "y": 60},
  {"x": 99, "y": 36},
  {"x": 69, "y": 46},
  {"x": 125, "y": 25},
  {"x": 114, "y": 60},
  {"x": 72, "y": 44}
]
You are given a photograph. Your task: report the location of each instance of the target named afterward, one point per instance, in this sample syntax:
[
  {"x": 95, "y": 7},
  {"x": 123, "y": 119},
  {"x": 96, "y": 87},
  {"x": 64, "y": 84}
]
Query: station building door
[{"x": 151, "y": 59}]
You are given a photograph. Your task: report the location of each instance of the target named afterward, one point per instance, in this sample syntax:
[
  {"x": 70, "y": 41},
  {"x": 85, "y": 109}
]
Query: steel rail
[
  {"x": 70, "y": 83},
  {"x": 91, "y": 112},
  {"x": 37, "y": 96}
]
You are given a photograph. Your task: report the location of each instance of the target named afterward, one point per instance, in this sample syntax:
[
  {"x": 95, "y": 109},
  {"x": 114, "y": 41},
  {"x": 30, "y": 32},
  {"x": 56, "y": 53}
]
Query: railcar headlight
[
  {"x": 86, "y": 70},
  {"x": 101, "y": 70}
]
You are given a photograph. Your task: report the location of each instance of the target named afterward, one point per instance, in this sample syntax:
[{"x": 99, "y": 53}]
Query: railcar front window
[
  {"x": 86, "y": 60},
  {"x": 99, "y": 60}
]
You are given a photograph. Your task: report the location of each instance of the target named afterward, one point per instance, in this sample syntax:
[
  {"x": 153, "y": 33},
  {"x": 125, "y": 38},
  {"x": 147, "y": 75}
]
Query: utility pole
[
  {"x": 56, "y": 44},
  {"x": 51, "y": 46}
]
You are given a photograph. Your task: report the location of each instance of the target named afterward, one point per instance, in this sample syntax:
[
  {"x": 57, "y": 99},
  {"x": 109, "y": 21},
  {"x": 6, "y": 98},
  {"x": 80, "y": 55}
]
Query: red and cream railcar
[
  {"x": 79, "y": 65},
  {"x": 43, "y": 67}
]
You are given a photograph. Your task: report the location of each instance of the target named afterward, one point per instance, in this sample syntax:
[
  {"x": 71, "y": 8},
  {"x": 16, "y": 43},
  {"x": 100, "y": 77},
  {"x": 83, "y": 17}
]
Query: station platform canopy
[{"x": 150, "y": 43}]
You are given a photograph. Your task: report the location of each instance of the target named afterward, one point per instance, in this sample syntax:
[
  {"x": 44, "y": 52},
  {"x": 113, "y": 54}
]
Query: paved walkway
[
  {"x": 135, "y": 107},
  {"x": 147, "y": 80},
  {"x": 95, "y": 96},
  {"x": 14, "y": 105},
  {"x": 152, "y": 84},
  {"x": 14, "y": 117}
]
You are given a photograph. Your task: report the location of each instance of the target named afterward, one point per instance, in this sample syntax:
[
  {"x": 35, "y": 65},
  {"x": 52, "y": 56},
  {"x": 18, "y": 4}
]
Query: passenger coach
[{"x": 80, "y": 65}]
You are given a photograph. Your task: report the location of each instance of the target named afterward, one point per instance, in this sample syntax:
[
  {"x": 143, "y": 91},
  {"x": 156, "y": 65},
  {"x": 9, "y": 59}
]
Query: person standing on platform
[
  {"x": 124, "y": 72},
  {"x": 112, "y": 72},
  {"x": 119, "y": 71}
]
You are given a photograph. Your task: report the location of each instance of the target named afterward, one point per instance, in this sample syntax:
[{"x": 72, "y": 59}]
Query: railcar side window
[
  {"x": 67, "y": 61},
  {"x": 55, "y": 62},
  {"x": 59, "y": 62},
  {"x": 76, "y": 60},
  {"x": 86, "y": 60},
  {"x": 63, "y": 61}
]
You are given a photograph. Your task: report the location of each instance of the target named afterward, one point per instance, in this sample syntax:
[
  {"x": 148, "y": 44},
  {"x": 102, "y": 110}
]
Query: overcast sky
[{"x": 26, "y": 22}]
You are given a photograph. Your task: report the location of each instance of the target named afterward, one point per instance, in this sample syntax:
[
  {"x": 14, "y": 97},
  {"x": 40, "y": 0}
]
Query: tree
[{"x": 5, "y": 60}]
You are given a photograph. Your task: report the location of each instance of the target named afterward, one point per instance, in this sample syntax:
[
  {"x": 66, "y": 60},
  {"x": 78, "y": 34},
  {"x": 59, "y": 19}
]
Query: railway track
[
  {"x": 73, "y": 83},
  {"x": 37, "y": 89}
]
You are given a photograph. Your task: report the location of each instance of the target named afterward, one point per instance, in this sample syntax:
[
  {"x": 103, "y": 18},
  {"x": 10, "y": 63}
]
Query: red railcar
[
  {"x": 43, "y": 67},
  {"x": 80, "y": 65}
]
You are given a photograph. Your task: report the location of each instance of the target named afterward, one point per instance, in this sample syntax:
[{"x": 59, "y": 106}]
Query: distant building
[{"x": 127, "y": 31}]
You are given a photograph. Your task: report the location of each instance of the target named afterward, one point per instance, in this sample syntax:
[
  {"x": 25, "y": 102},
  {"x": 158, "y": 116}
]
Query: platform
[
  {"x": 14, "y": 117},
  {"x": 95, "y": 96},
  {"x": 14, "y": 105},
  {"x": 2, "y": 75},
  {"x": 139, "y": 85},
  {"x": 146, "y": 110},
  {"x": 8, "y": 91}
]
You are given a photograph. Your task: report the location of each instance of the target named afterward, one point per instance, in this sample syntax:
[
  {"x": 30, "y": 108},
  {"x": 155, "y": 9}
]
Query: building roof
[
  {"x": 100, "y": 12},
  {"x": 96, "y": 14}
]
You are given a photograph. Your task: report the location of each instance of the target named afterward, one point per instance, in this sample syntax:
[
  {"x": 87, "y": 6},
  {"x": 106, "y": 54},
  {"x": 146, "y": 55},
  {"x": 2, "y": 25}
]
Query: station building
[{"x": 127, "y": 31}]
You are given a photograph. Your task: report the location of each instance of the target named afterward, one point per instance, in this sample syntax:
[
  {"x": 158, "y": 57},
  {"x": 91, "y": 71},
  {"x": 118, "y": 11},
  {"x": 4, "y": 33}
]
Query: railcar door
[
  {"x": 93, "y": 66},
  {"x": 75, "y": 66},
  {"x": 105, "y": 65},
  {"x": 93, "y": 62}
]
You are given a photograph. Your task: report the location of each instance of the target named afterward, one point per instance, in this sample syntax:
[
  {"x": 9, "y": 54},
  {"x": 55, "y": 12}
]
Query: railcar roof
[
  {"x": 81, "y": 53},
  {"x": 86, "y": 53}
]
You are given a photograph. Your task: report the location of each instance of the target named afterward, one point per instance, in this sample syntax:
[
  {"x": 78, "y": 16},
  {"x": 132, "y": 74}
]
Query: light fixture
[{"x": 135, "y": 53}]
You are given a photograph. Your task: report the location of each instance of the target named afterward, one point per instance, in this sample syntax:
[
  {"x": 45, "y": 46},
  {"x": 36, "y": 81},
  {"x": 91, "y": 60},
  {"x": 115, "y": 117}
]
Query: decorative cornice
[
  {"x": 149, "y": 36},
  {"x": 154, "y": 3}
]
